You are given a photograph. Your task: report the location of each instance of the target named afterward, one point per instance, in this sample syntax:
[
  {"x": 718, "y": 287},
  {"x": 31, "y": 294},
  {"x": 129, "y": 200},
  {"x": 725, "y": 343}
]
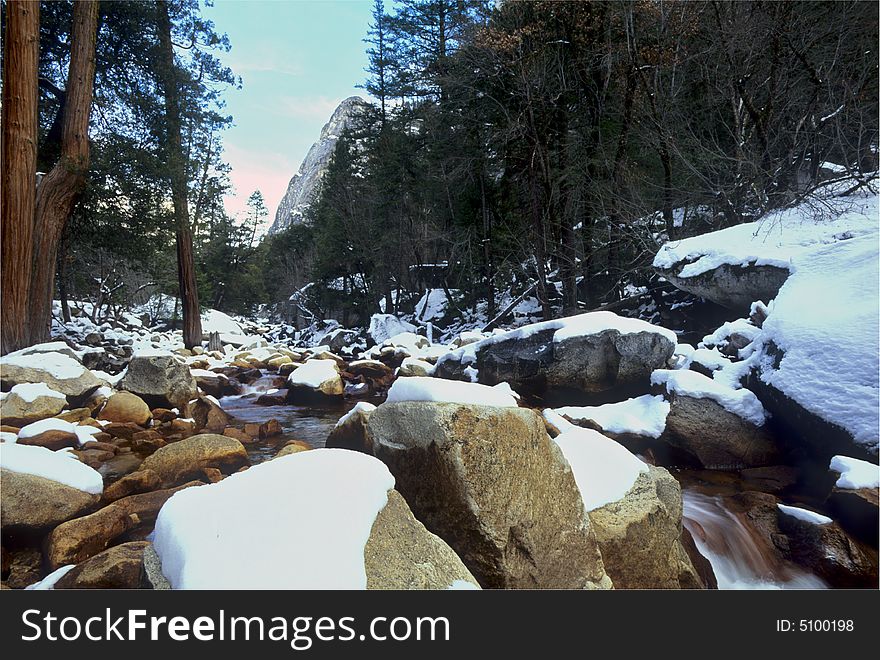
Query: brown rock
[
  {"x": 351, "y": 431},
  {"x": 293, "y": 447},
  {"x": 369, "y": 369},
  {"x": 20, "y": 412},
  {"x": 32, "y": 503},
  {"x": 238, "y": 434},
  {"x": 402, "y": 554},
  {"x": 182, "y": 427},
  {"x": 208, "y": 415},
  {"x": 713, "y": 438},
  {"x": 125, "y": 430},
  {"x": 53, "y": 440},
  {"x": 126, "y": 407},
  {"x": 25, "y": 567},
  {"x": 75, "y": 415},
  {"x": 639, "y": 536},
  {"x": 163, "y": 415},
  {"x": 270, "y": 429},
  {"x": 140, "y": 481},
  {"x": 183, "y": 460},
  {"x": 76, "y": 540},
  {"x": 120, "y": 567},
  {"x": 278, "y": 398},
  {"x": 212, "y": 475}
]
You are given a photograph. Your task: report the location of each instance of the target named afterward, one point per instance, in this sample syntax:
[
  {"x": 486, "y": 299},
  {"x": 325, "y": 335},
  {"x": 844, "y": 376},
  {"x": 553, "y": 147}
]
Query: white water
[{"x": 738, "y": 559}]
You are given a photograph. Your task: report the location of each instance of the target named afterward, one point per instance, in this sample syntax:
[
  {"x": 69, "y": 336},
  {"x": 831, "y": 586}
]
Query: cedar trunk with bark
[
  {"x": 60, "y": 188},
  {"x": 186, "y": 271},
  {"x": 19, "y": 135}
]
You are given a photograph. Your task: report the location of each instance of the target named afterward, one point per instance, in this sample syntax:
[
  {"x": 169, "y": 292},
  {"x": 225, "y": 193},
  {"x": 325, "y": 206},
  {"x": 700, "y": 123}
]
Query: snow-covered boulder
[
  {"x": 42, "y": 488},
  {"x": 30, "y": 402},
  {"x": 315, "y": 379},
  {"x": 855, "y": 498},
  {"x": 160, "y": 379},
  {"x": 817, "y": 367},
  {"x": 180, "y": 461},
  {"x": 355, "y": 532},
  {"x": 491, "y": 483},
  {"x": 58, "y": 370},
  {"x": 415, "y": 367},
  {"x": 713, "y": 425},
  {"x": 51, "y": 433},
  {"x": 384, "y": 326},
  {"x": 635, "y": 511},
  {"x": 592, "y": 352},
  {"x": 738, "y": 265},
  {"x": 350, "y": 431}
]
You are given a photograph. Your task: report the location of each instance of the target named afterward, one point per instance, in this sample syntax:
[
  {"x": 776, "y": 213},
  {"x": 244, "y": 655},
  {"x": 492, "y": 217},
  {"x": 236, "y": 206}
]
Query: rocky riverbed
[{"x": 658, "y": 474}]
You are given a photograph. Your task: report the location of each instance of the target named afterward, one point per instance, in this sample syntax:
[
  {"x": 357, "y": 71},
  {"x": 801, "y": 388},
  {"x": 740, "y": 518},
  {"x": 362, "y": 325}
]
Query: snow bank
[
  {"x": 314, "y": 540},
  {"x": 313, "y": 373},
  {"x": 60, "y": 466},
  {"x": 215, "y": 321},
  {"x": 385, "y": 326},
  {"x": 804, "y": 514},
  {"x": 776, "y": 240},
  {"x": 826, "y": 322},
  {"x": 29, "y": 392},
  {"x": 644, "y": 415},
  {"x": 603, "y": 469},
  {"x": 423, "y": 388},
  {"x": 740, "y": 402},
  {"x": 432, "y": 306},
  {"x": 855, "y": 474}
]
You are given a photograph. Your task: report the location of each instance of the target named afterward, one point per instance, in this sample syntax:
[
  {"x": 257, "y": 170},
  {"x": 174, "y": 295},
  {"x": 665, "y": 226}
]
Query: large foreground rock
[
  {"x": 490, "y": 482},
  {"x": 402, "y": 554},
  {"x": 341, "y": 526},
  {"x": 160, "y": 380},
  {"x": 33, "y": 504},
  {"x": 593, "y": 353},
  {"x": 187, "y": 459},
  {"x": 639, "y": 536}
]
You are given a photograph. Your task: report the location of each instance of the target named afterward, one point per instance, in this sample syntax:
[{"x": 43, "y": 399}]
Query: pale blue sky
[{"x": 297, "y": 60}]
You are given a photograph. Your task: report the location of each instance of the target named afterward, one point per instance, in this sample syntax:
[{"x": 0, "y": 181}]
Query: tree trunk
[
  {"x": 20, "y": 66},
  {"x": 63, "y": 257},
  {"x": 186, "y": 270},
  {"x": 60, "y": 188}
]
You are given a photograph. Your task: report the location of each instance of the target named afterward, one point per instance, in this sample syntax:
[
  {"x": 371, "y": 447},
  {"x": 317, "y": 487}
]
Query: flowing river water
[{"x": 739, "y": 559}]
